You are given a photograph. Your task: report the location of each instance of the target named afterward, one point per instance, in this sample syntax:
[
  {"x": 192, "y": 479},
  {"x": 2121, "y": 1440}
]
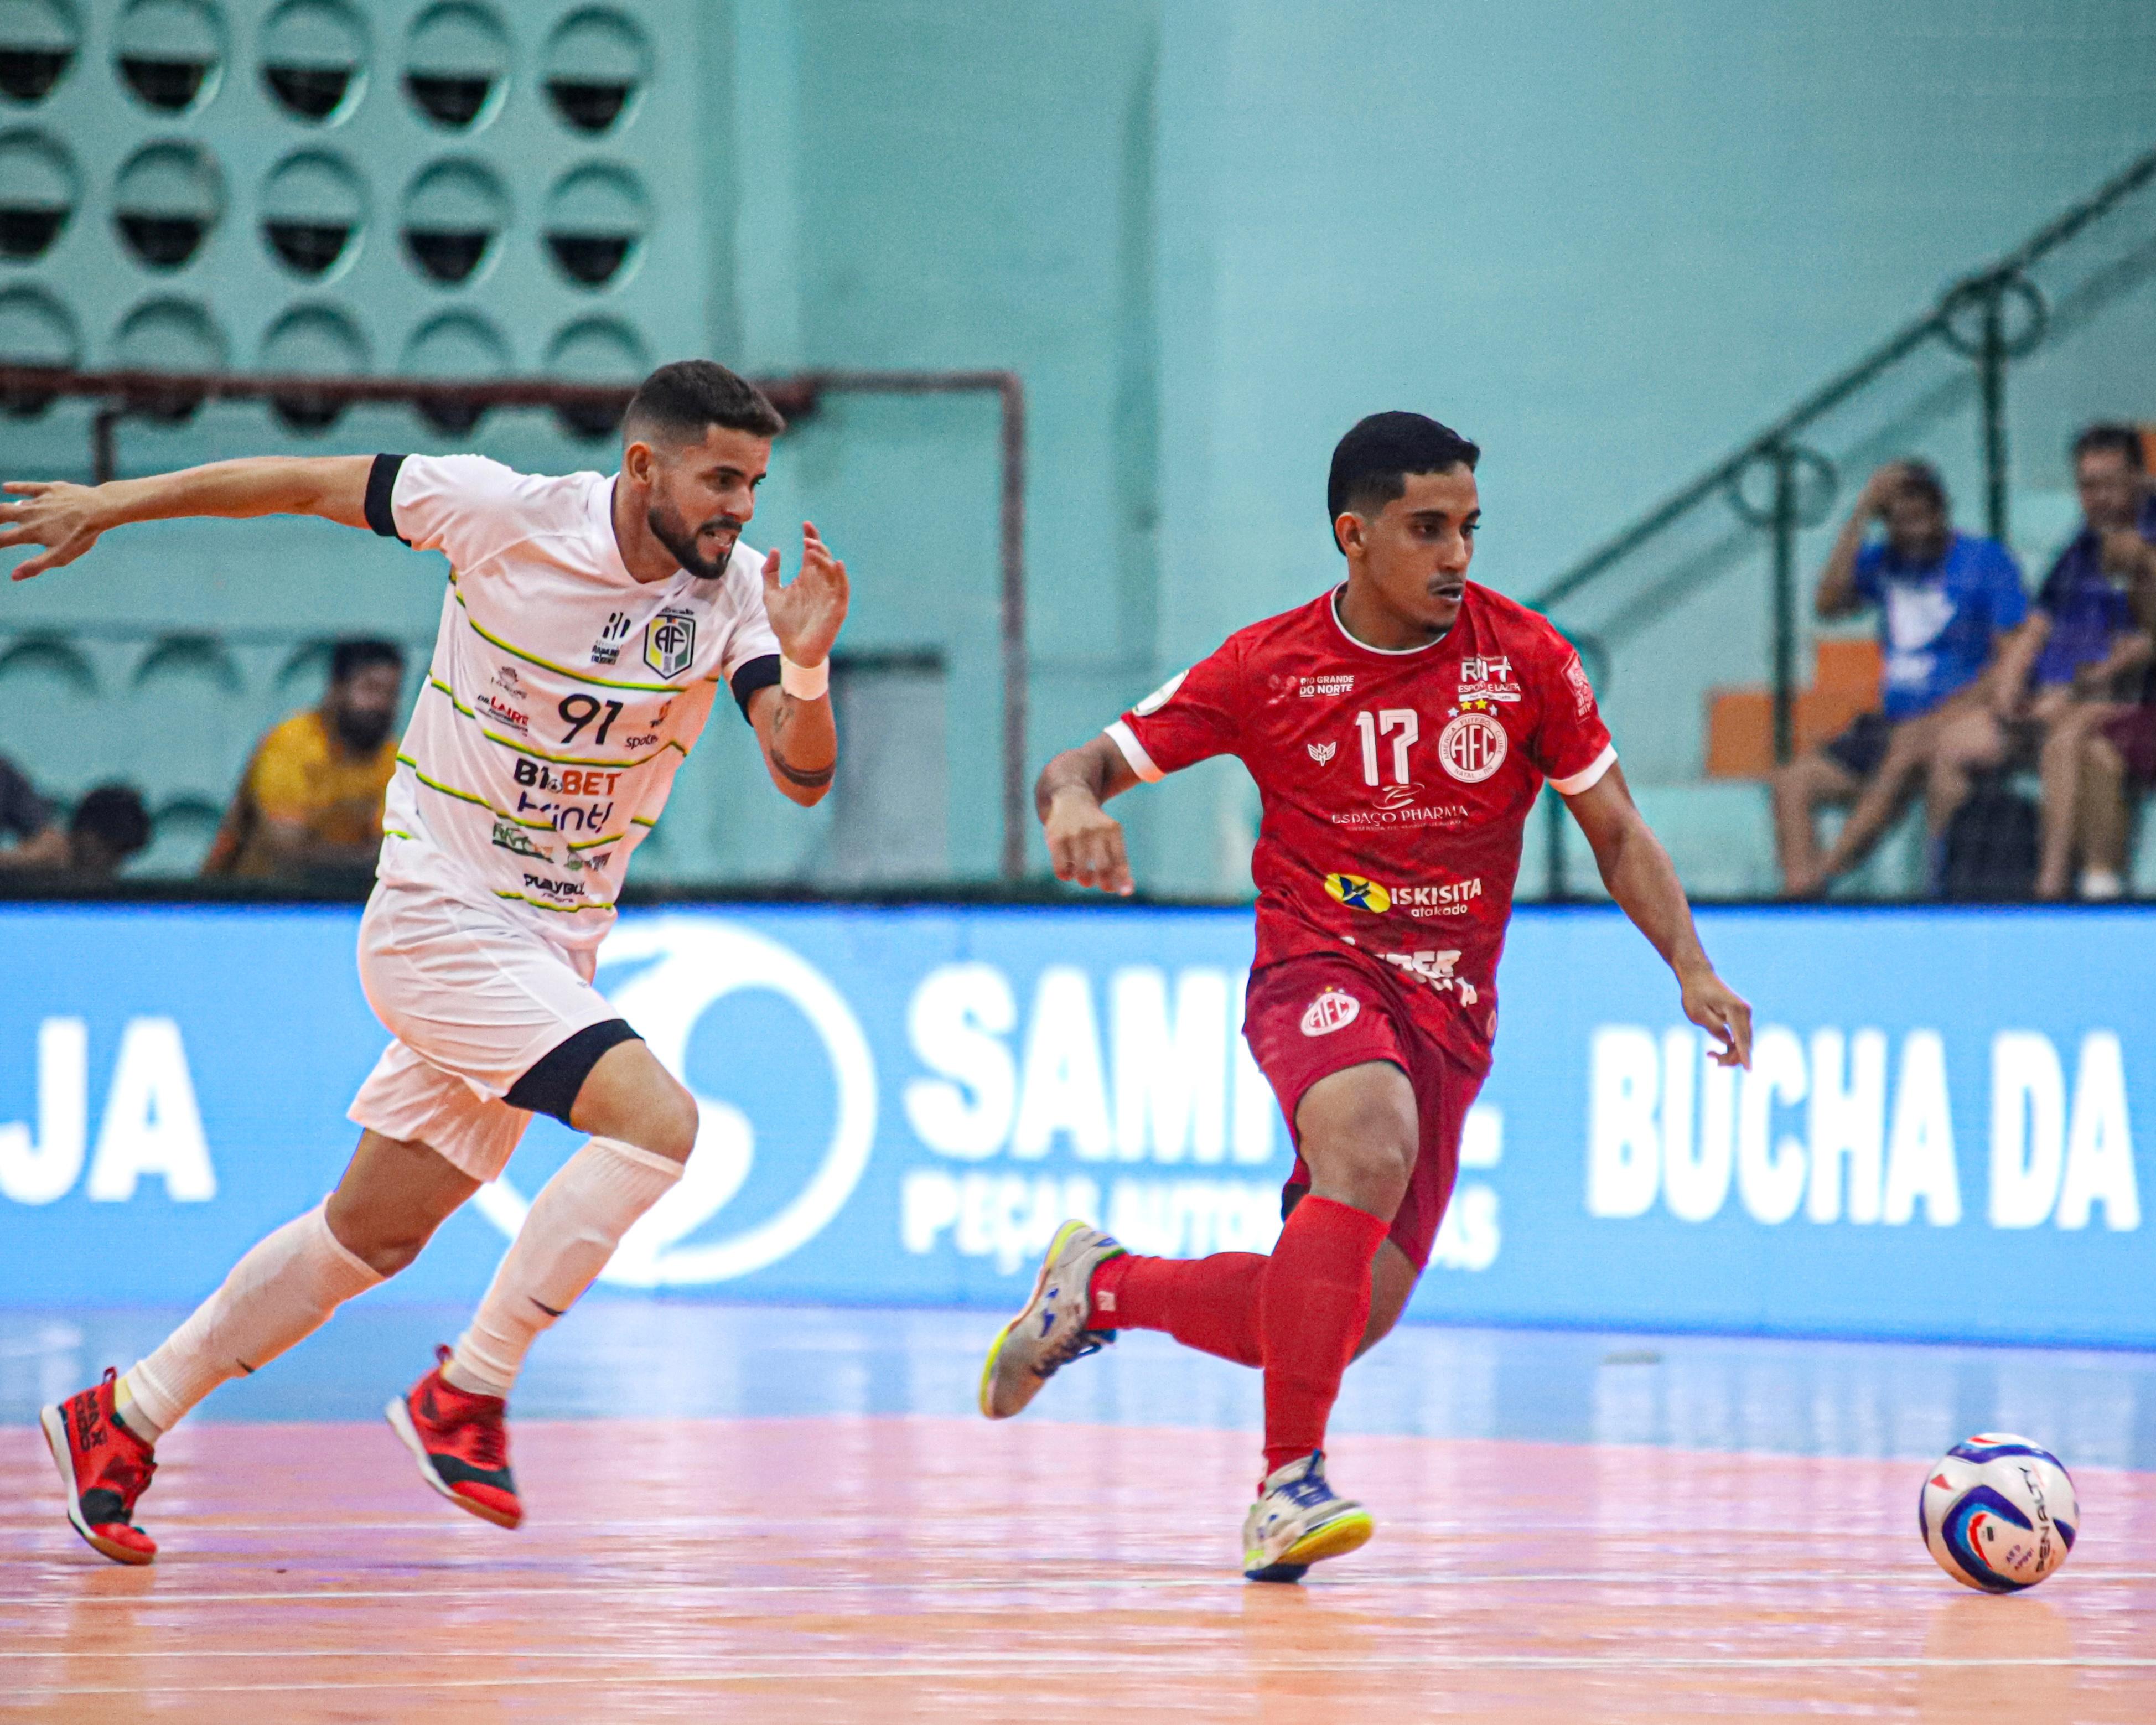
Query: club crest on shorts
[
  {"x": 1472, "y": 746},
  {"x": 1333, "y": 1009},
  {"x": 669, "y": 642}
]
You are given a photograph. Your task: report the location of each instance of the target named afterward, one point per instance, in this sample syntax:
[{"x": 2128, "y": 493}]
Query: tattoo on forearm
[{"x": 807, "y": 777}]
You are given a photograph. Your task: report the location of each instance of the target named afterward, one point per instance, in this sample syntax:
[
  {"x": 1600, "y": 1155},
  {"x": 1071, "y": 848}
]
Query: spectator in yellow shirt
[{"x": 311, "y": 796}]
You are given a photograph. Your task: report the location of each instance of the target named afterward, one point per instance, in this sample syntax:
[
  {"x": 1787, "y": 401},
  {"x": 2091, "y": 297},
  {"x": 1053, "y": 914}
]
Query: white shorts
[{"x": 475, "y": 998}]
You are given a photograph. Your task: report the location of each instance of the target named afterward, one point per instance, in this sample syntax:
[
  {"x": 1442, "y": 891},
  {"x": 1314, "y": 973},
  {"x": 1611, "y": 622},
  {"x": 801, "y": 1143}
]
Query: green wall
[{"x": 1606, "y": 240}]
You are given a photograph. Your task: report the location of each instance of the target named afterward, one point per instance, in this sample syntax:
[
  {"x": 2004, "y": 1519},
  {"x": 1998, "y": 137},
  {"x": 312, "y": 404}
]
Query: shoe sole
[
  {"x": 55, "y": 1429},
  {"x": 996, "y": 1347},
  {"x": 1335, "y": 1539},
  {"x": 400, "y": 1422}
]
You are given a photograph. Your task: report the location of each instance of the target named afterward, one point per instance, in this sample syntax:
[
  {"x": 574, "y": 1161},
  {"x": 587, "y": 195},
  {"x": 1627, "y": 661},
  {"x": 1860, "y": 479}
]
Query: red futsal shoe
[
  {"x": 106, "y": 1468},
  {"x": 460, "y": 1443}
]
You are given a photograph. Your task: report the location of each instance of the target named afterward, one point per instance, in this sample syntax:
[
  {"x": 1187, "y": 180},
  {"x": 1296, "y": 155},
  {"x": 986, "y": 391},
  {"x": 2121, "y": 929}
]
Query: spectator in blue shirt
[
  {"x": 2091, "y": 652},
  {"x": 1945, "y": 601}
]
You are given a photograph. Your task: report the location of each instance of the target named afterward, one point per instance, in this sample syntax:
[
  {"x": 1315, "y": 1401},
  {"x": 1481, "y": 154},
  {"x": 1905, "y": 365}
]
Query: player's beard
[
  {"x": 670, "y": 530},
  {"x": 362, "y": 732}
]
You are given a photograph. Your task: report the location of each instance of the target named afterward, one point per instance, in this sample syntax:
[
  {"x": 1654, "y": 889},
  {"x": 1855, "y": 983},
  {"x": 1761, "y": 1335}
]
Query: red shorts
[
  {"x": 2133, "y": 733},
  {"x": 1309, "y": 1016}
]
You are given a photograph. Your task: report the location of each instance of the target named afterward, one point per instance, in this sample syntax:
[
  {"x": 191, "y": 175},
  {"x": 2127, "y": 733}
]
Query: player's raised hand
[
  {"x": 805, "y": 612},
  {"x": 1719, "y": 1010},
  {"x": 61, "y": 517},
  {"x": 1085, "y": 842}
]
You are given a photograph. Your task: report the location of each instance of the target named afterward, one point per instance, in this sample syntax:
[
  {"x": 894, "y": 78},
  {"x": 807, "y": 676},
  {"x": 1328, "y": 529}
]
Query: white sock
[
  {"x": 280, "y": 1293},
  {"x": 2099, "y": 885},
  {"x": 574, "y": 1225}
]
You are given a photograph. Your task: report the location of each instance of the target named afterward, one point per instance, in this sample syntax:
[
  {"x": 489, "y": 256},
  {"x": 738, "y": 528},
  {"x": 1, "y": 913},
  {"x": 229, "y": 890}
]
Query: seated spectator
[
  {"x": 39, "y": 842},
  {"x": 1945, "y": 600},
  {"x": 310, "y": 798},
  {"x": 109, "y": 825},
  {"x": 2091, "y": 810}
]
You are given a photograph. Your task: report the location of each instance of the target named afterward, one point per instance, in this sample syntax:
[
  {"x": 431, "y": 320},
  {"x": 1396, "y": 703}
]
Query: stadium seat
[{"x": 1740, "y": 722}]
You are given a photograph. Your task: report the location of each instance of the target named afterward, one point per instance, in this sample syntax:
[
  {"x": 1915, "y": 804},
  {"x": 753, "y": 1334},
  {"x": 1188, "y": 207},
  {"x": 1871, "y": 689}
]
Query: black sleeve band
[
  {"x": 551, "y": 1087},
  {"x": 756, "y": 673},
  {"x": 380, "y": 482}
]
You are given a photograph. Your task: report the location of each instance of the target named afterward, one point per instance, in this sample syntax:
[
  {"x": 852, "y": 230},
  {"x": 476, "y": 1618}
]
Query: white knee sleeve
[
  {"x": 574, "y": 1227},
  {"x": 279, "y": 1294}
]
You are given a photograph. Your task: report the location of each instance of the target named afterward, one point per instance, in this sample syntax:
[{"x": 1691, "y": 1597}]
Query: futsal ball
[{"x": 1998, "y": 1513}]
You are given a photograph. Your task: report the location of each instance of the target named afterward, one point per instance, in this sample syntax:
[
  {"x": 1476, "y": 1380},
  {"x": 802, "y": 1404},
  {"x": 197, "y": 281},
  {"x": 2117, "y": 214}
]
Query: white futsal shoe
[
  {"x": 1299, "y": 1519},
  {"x": 1051, "y": 1331}
]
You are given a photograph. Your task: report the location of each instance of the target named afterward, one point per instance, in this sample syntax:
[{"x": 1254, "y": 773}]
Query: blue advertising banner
[{"x": 1937, "y": 1137}]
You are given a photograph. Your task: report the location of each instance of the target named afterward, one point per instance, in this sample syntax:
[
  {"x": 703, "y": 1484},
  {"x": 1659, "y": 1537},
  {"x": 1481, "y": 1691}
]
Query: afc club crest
[
  {"x": 669, "y": 642},
  {"x": 1472, "y": 747},
  {"x": 1334, "y": 1009}
]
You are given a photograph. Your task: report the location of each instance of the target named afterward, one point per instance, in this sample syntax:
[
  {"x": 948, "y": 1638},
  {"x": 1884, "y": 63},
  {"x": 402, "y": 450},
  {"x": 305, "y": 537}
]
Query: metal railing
[
  {"x": 590, "y": 409},
  {"x": 1775, "y": 483}
]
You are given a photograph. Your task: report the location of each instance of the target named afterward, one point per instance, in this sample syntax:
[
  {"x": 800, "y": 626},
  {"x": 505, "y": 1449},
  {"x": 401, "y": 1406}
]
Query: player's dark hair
[
  {"x": 1371, "y": 464},
  {"x": 681, "y": 400},
  {"x": 356, "y": 653},
  {"x": 2122, "y": 440},
  {"x": 114, "y": 815},
  {"x": 1920, "y": 479}
]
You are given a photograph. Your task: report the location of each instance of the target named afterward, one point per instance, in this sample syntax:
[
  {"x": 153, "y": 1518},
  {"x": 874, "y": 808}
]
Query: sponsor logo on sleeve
[
  {"x": 1582, "y": 692},
  {"x": 1333, "y": 1009},
  {"x": 1473, "y": 747},
  {"x": 560, "y": 892},
  {"x": 1161, "y": 697},
  {"x": 669, "y": 642}
]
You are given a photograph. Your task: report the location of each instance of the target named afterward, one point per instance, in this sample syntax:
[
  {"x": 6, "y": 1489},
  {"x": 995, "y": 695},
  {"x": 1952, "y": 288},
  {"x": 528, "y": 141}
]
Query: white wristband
[{"x": 804, "y": 682}]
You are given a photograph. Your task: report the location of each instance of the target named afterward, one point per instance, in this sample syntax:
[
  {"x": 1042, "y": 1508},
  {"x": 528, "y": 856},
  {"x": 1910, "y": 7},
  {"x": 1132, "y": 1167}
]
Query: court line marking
[
  {"x": 995, "y": 1668},
  {"x": 654, "y": 1590}
]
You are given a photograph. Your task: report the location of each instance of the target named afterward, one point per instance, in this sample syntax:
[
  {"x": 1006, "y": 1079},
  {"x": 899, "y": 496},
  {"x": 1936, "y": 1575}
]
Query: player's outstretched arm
[
  {"x": 67, "y": 519},
  {"x": 1640, "y": 877},
  {"x": 793, "y": 721},
  {"x": 1085, "y": 841}
]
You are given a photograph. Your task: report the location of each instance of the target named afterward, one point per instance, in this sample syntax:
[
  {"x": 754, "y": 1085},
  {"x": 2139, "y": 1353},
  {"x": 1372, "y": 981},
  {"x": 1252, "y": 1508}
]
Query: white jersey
[{"x": 563, "y": 693}]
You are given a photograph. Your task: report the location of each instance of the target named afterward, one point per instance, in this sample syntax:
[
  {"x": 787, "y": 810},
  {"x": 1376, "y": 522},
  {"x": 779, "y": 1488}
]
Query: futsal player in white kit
[{"x": 590, "y": 625}]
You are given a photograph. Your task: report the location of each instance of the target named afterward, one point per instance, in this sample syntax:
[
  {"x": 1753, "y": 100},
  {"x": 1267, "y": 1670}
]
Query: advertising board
[{"x": 1938, "y": 1137}]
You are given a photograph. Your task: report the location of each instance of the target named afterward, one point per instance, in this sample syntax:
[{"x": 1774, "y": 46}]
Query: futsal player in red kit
[{"x": 1400, "y": 728}]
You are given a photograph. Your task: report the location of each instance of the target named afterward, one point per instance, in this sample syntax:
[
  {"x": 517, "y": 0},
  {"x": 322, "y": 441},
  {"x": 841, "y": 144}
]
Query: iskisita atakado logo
[
  {"x": 689, "y": 964},
  {"x": 1359, "y": 894}
]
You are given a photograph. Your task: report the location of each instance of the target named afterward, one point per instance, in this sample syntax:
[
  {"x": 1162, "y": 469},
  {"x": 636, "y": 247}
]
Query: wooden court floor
[{"x": 915, "y": 1568}]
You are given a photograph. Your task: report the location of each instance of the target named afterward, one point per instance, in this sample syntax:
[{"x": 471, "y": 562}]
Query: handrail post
[
  {"x": 1783, "y": 456},
  {"x": 103, "y": 443},
  {"x": 1016, "y": 815},
  {"x": 1555, "y": 889},
  {"x": 1991, "y": 364}
]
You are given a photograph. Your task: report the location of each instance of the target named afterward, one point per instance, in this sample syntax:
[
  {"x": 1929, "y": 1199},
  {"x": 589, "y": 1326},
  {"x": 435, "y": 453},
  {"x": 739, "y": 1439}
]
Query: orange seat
[{"x": 1846, "y": 672}]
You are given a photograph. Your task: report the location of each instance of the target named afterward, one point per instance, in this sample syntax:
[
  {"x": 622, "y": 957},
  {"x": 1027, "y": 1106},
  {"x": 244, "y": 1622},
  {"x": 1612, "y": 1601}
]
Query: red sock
[
  {"x": 1314, "y": 1302},
  {"x": 1210, "y": 1304}
]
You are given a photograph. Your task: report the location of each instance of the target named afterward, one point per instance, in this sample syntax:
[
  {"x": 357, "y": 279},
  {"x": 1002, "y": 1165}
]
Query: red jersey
[{"x": 1395, "y": 785}]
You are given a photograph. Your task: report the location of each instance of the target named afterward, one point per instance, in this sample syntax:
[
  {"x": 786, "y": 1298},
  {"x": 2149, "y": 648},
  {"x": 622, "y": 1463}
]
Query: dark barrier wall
[{"x": 1938, "y": 1137}]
